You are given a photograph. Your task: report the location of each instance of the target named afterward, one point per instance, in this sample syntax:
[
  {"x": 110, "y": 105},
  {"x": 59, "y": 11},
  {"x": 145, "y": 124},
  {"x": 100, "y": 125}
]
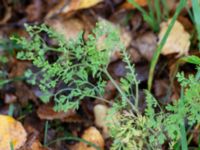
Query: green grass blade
[
  {"x": 158, "y": 11},
  {"x": 45, "y": 132},
  {"x": 147, "y": 17},
  {"x": 196, "y": 13},
  {"x": 182, "y": 126},
  {"x": 136, "y": 5},
  {"x": 11, "y": 146},
  {"x": 163, "y": 41},
  {"x": 166, "y": 9},
  {"x": 153, "y": 22},
  {"x": 11, "y": 110}
]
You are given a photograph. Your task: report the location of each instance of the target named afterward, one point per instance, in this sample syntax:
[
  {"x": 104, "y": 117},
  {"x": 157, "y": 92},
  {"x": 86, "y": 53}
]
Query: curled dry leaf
[
  {"x": 91, "y": 135},
  {"x": 11, "y": 131},
  {"x": 178, "y": 40},
  {"x": 100, "y": 113}
]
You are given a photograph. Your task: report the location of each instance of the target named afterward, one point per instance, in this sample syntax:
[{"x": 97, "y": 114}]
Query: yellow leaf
[
  {"x": 11, "y": 131},
  {"x": 91, "y": 135},
  {"x": 80, "y": 4},
  {"x": 88, "y": 3}
]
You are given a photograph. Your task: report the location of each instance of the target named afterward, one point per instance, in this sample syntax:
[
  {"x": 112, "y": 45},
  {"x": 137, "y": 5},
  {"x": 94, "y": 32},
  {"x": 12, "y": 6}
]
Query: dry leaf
[
  {"x": 7, "y": 14},
  {"x": 37, "y": 146},
  {"x": 11, "y": 131},
  {"x": 127, "y": 5},
  {"x": 70, "y": 28},
  {"x": 91, "y": 135},
  {"x": 66, "y": 8},
  {"x": 178, "y": 40},
  {"x": 80, "y": 4},
  {"x": 146, "y": 44},
  {"x": 24, "y": 94},
  {"x": 47, "y": 112}
]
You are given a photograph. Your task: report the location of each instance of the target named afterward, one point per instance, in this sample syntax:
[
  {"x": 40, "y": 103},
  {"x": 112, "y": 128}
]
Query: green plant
[
  {"x": 6, "y": 50},
  {"x": 196, "y": 14},
  {"x": 158, "y": 124},
  {"x": 155, "y": 15},
  {"x": 163, "y": 41},
  {"x": 81, "y": 61},
  {"x": 154, "y": 18},
  {"x": 78, "y": 62}
]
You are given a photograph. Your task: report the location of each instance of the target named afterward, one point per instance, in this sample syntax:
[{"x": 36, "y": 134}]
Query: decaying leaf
[
  {"x": 11, "y": 131},
  {"x": 47, "y": 112},
  {"x": 68, "y": 27},
  {"x": 91, "y": 135},
  {"x": 146, "y": 44},
  {"x": 178, "y": 40}
]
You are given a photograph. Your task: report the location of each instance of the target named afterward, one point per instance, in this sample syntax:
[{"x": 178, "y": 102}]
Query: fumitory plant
[{"x": 81, "y": 65}]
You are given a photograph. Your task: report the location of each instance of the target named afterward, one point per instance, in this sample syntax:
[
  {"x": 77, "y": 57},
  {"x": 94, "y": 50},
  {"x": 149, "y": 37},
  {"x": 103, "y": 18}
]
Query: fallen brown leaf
[
  {"x": 178, "y": 40},
  {"x": 64, "y": 7},
  {"x": 68, "y": 27},
  {"x": 91, "y": 135},
  {"x": 47, "y": 112},
  {"x": 127, "y": 5},
  {"x": 146, "y": 44}
]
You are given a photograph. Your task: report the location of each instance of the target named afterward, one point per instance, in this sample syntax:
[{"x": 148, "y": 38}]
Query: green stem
[
  {"x": 92, "y": 96},
  {"x": 120, "y": 91},
  {"x": 183, "y": 136},
  {"x": 45, "y": 132},
  {"x": 134, "y": 78},
  {"x": 182, "y": 125},
  {"x": 163, "y": 41}
]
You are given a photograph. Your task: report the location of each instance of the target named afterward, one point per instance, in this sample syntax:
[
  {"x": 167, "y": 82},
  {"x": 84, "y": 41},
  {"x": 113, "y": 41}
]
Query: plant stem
[
  {"x": 134, "y": 78},
  {"x": 163, "y": 41},
  {"x": 45, "y": 132},
  {"x": 183, "y": 136},
  {"x": 182, "y": 125},
  {"x": 120, "y": 91}
]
